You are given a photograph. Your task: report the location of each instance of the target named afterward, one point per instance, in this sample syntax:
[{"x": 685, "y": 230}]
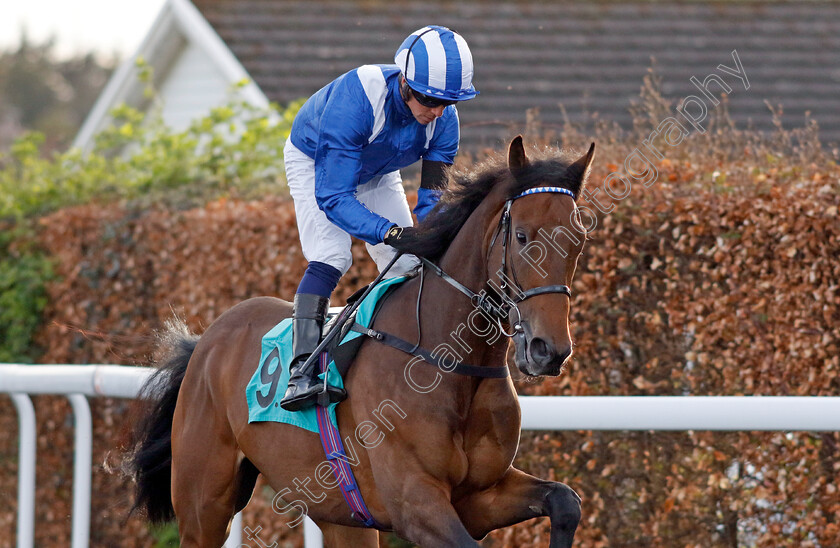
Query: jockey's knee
[{"x": 341, "y": 260}]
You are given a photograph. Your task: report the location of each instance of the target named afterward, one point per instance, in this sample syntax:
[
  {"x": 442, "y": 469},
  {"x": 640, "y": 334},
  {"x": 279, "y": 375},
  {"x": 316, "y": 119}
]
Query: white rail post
[
  {"x": 80, "y": 536},
  {"x": 724, "y": 413},
  {"x": 26, "y": 470},
  {"x": 234, "y": 540},
  {"x": 312, "y": 536}
]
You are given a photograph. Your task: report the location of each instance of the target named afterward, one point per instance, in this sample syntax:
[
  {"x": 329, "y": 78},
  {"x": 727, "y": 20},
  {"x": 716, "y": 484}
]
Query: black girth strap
[{"x": 458, "y": 368}]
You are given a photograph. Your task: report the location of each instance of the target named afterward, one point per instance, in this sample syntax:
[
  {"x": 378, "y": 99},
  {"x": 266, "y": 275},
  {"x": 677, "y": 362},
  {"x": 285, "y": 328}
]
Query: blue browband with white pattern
[{"x": 541, "y": 189}]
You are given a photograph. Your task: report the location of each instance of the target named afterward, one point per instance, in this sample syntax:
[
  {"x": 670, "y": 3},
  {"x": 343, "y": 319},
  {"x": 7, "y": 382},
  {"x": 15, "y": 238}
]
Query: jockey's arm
[
  {"x": 437, "y": 161},
  {"x": 345, "y": 128},
  {"x": 338, "y": 165},
  {"x": 336, "y": 178},
  {"x": 433, "y": 181}
]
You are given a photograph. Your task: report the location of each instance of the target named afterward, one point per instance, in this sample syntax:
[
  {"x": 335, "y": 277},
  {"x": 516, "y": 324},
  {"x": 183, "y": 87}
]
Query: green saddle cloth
[{"x": 269, "y": 382}]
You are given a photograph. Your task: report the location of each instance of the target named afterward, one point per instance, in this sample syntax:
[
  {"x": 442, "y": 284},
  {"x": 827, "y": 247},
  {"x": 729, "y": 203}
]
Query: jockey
[{"x": 343, "y": 157}]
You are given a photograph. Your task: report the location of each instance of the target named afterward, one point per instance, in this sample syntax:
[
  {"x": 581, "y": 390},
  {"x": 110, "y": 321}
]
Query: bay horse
[{"x": 433, "y": 450}]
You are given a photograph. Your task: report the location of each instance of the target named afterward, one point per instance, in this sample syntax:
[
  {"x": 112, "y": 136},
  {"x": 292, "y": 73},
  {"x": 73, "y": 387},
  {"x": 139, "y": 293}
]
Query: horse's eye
[{"x": 521, "y": 237}]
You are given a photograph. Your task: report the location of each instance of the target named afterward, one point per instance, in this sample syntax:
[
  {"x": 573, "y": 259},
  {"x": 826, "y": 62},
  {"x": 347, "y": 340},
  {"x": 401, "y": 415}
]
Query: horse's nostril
[{"x": 541, "y": 352}]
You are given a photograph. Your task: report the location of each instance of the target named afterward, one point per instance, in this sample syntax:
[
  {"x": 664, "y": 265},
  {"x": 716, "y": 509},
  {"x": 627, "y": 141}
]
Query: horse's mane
[{"x": 467, "y": 190}]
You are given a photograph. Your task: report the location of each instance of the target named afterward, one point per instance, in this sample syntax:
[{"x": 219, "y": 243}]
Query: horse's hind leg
[
  {"x": 205, "y": 470},
  {"x": 519, "y": 497},
  {"x": 340, "y": 536}
]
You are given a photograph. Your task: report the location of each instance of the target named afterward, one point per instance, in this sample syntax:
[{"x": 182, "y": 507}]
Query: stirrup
[
  {"x": 316, "y": 395},
  {"x": 333, "y": 394},
  {"x": 303, "y": 400}
]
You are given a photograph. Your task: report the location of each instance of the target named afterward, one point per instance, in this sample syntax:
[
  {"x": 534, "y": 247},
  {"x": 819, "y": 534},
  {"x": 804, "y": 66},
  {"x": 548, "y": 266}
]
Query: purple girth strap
[{"x": 334, "y": 450}]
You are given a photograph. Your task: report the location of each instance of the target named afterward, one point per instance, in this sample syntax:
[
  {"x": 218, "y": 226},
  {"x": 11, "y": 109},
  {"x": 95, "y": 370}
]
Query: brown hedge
[{"x": 692, "y": 286}]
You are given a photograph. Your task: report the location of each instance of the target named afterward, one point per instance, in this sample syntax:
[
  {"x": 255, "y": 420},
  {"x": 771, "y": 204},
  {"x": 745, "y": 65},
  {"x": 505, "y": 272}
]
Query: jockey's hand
[{"x": 401, "y": 238}]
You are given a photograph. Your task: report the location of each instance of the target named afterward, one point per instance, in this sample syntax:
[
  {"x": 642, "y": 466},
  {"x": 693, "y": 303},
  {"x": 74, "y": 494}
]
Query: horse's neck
[
  {"x": 465, "y": 259},
  {"x": 476, "y": 339},
  {"x": 449, "y": 324}
]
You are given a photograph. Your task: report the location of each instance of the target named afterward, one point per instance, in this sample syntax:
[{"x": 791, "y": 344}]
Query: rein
[
  {"x": 331, "y": 440},
  {"x": 482, "y": 300}
]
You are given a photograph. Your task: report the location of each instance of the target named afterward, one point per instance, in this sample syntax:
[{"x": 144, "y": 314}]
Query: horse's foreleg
[
  {"x": 426, "y": 517},
  {"x": 518, "y": 497}
]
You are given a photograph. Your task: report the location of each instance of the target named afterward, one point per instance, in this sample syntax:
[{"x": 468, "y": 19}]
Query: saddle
[{"x": 344, "y": 352}]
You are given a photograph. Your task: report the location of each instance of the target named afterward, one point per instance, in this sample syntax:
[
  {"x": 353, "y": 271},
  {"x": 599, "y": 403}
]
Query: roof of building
[
  {"x": 590, "y": 57},
  {"x": 178, "y": 27}
]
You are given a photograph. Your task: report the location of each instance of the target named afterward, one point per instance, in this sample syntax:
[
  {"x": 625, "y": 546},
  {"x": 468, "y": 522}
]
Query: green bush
[
  {"x": 236, "y": 150},
  {"x": 165, "y": 535},
  {"x": 24, "y": 271}
]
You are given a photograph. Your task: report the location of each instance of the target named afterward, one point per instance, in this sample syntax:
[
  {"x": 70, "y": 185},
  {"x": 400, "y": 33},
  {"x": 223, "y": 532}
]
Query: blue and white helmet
[{"x": 437, "y": 62}]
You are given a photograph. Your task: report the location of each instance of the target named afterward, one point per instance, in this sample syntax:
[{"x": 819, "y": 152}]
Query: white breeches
[{"x": 325, "y": 242}]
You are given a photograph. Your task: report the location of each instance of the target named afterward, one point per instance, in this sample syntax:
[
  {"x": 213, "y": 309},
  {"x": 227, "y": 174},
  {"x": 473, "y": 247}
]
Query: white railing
[
  {"x": 76, "y": 382},
  {"x": 722, "y": 413}
]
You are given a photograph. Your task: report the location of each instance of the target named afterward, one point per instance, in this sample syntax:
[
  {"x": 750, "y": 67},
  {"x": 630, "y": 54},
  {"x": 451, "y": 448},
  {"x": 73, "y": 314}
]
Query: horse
[{"x": 433, "y": 449}]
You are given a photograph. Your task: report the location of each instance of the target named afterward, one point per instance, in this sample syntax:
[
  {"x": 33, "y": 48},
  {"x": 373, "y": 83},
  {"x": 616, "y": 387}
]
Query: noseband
[{"x": 482, "y": 300}]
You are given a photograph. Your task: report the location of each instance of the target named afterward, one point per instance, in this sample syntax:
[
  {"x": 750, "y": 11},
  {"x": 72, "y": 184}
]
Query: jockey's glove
[{"x": 401, "y": 238}]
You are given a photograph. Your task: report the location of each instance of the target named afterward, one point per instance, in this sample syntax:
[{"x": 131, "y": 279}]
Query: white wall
[{"x": 193, "y": 86}]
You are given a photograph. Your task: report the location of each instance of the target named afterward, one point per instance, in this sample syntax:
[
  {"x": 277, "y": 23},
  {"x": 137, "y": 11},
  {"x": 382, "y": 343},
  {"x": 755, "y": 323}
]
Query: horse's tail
[{"x": 149, "y": 462}]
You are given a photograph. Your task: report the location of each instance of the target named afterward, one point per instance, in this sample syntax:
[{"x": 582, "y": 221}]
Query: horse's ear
[
  {"x": 579, "y": 170},
  {"x": 516, "y": 154}
]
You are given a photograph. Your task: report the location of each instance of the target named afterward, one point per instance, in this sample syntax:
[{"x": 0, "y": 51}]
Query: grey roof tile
[{"x": 536, "y": 53}]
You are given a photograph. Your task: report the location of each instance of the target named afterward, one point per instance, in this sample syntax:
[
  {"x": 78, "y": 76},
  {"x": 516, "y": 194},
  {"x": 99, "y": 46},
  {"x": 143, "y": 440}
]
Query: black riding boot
[{"x": 307, "y": 324}]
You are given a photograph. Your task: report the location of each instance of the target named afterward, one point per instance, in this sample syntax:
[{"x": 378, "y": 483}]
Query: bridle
[
  {"x": 498, "y": 312},
  {"x": 501, "y": 312}
]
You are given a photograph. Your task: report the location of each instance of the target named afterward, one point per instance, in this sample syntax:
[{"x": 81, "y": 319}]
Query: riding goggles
[{"x": 430, "y": 102}]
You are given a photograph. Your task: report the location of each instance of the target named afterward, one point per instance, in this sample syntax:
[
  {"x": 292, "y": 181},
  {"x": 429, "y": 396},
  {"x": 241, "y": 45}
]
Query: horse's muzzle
[{"x": 536, "y": 356}]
